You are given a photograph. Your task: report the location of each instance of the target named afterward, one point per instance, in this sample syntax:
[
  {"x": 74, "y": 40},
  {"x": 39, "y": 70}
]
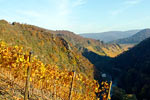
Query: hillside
[
  {"x": 51, "y": 65},
  {"x": 110, "y": 36},
  {"x": 47, "y": 81},
  {"x": 134, "y": 71},
  {"x": 87, "y": 44},
  {"x": 63, "y": 48},
  {"x": 47, "y": 47},
  {"x": 134, "y": 39}
]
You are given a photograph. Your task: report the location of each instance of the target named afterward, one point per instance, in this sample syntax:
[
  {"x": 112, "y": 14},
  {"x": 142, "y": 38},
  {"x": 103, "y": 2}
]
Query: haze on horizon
[{"x": 79, "y": 16}]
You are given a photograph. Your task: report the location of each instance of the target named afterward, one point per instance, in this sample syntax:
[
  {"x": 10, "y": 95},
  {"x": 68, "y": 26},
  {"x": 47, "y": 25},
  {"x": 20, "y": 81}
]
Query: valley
[
  {"x": 74, "y": 50},
  {"x": 62, "y": 54}
]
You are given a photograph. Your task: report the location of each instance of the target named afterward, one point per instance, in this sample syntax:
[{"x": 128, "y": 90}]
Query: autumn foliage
[{"x": 47, "y": 81}]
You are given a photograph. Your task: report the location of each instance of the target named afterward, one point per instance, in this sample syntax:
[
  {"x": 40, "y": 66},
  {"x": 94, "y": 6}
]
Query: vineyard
[{"x": 47, "y": 82}]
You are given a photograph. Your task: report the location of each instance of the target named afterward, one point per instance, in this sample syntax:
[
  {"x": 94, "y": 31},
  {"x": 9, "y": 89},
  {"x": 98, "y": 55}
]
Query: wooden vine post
[
  {"x": 27, "y": 87},
  {"x": 108, "y": 97},
  {"x": 72, "y": 83}
]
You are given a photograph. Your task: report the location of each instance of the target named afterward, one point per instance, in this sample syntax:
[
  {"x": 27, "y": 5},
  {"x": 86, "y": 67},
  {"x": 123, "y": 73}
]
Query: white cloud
[
  {"x": 64, "y": 11},
  {"x": 125, "y": 5},
  {"x": 119, "y": 11},
  {"x": 79, "y": 3},
  {"x": 66, "y": 6},
  {"x": 132, "y": 2},
  {"x": 58, "y": 15}
]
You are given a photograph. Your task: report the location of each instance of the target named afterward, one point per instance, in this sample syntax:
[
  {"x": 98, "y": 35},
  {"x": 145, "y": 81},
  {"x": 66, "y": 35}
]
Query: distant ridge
[
  {"x": 134, "y": 39},
  {"x": 110, "y": 36}
]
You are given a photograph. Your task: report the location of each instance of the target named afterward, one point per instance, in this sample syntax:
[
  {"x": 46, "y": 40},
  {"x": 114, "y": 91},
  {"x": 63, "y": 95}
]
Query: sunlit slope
[
  {"x": 47, "y": 81},
  {"x": 93, "y": 45},
  {"x": 46, "y": 46}
]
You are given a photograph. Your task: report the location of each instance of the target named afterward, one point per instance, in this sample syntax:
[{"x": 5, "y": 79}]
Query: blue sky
[{"x": 79, "y": 16}]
